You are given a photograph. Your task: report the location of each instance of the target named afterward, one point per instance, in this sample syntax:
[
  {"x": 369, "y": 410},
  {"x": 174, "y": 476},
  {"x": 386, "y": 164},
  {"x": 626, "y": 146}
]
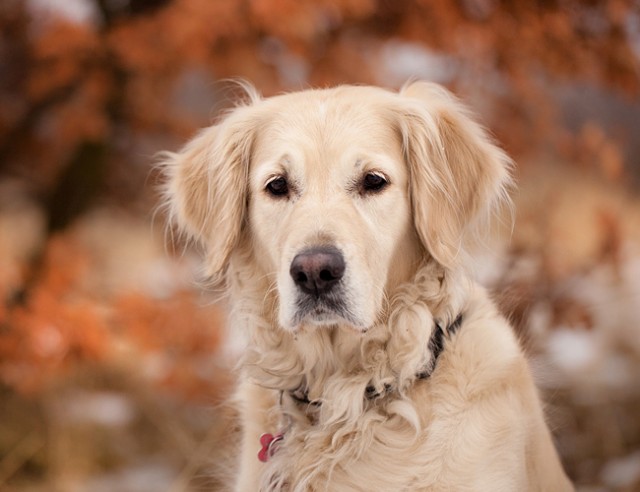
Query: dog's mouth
[{"x": 323, "y": 310}]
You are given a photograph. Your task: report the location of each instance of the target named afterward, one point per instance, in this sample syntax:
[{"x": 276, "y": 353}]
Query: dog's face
[
  {"x": 329, "y": 208},
  {"x": 338, "y": 193}
]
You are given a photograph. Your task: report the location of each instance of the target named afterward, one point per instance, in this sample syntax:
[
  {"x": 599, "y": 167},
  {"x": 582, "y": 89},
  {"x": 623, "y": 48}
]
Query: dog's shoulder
[{"x": 484, "y": 353}]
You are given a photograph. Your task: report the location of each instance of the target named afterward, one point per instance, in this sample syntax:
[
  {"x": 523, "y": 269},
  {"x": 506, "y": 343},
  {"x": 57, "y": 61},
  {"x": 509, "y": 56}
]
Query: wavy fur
[{"x": 476, "y": 422}]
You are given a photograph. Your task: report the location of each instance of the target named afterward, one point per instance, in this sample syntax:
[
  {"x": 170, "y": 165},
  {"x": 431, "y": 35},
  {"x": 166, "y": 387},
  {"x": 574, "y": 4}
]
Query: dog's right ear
[{"x": 206, "y": 185}]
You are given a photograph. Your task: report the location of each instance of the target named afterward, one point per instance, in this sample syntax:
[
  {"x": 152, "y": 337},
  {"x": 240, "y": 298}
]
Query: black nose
[{"x": 317, "y": 270}]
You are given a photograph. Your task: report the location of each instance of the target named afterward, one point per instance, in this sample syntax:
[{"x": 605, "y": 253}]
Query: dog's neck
[{"x": 328, "y": 360}]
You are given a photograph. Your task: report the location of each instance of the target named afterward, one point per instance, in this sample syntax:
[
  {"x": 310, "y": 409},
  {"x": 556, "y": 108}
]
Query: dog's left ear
[{"x": 458, "y": 176}]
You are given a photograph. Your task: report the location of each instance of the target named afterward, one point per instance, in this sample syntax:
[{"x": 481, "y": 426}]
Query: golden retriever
[{"x": 340, "y": 222}]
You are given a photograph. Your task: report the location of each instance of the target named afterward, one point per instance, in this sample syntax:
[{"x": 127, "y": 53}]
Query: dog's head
[{"x": 340, "y": 193}]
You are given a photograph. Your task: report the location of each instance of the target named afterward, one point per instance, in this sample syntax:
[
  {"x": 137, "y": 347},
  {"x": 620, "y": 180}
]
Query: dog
[{"x": 342, "y": 222}]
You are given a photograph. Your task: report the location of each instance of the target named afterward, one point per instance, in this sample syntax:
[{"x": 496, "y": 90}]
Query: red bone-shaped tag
[{"x": 269, "y": 444}]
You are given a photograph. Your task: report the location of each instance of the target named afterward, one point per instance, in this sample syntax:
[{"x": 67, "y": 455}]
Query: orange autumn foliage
[
  {"x": 56, "y": 327},
  {"x": 178, "y": 330},
  {"x": 63, "y": 326},
  {"x": 139, "y": 76},
  {"x": 117, "y": 75},
  {"x": 173, "y": 324}
]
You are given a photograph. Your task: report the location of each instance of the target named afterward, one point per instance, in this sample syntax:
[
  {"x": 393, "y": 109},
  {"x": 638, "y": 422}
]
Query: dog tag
[{"x": 269, "y": 444}]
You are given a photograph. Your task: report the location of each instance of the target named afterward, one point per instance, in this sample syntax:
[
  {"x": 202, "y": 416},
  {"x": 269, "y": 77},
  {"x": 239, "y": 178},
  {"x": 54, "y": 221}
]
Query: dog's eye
[
  {"x": 278, "y": 187},
  {"x": 373, "y": 182}
]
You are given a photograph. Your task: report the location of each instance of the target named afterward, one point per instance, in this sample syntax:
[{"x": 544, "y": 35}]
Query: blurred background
[{"x": 114, "y": 359}]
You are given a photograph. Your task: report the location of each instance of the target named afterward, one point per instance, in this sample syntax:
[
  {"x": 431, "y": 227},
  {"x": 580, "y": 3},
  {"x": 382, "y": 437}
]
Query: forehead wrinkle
[
  {"x": 322, "y": 129},
  {"x": 358, "y": 122}
]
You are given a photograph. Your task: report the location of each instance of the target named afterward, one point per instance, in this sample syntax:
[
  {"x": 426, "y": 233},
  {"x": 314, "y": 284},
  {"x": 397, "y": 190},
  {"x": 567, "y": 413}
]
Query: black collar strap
[
  {"x": 301, "y": 396},
  {"x": 436, "y": 345}
]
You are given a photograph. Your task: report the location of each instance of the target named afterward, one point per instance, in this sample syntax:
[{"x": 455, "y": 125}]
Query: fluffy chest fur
[
  {"x": 430, "y": 434},
  {"x": 340, "y": 221}
]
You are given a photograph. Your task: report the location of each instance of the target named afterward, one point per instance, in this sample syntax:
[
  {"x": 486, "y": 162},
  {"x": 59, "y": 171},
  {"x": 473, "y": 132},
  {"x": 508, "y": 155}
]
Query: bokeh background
[{"x": 114, "y": 359}]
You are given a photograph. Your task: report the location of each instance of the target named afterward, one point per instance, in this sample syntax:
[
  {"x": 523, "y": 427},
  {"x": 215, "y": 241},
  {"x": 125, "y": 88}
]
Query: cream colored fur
[{"x": 476, "y": 424}]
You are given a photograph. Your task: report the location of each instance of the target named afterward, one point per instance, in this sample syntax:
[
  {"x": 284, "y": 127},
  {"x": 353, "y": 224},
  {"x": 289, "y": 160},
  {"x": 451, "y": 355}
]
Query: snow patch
[
  {"x": 622, "y": 472},
  {"x": 573, "y": 350},
  {"x": 402, "y": 61},
  {"x": 78, "y": 11},
  {"x": 108, "y": 409}
]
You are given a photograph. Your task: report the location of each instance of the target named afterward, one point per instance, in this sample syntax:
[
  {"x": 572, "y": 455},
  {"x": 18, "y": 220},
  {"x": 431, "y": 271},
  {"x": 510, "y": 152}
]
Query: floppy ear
[
  {"x": 206, "y": 189},
  {"x": 458, "y": 176}
]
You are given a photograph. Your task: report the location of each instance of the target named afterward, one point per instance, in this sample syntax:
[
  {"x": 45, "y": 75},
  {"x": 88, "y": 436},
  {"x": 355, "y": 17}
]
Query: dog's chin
[{"x": 321, "y": 317}]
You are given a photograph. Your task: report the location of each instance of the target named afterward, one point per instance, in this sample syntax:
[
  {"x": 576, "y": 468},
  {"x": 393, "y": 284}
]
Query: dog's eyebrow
[
  {"x": 375, "y": 160},
  {"x": 276, "y": 167}
]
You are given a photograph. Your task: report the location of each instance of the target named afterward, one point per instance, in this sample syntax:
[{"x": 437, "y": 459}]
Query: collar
[
  {"x": 300, "y": 395},
  {"x": 436, "y": 345}
]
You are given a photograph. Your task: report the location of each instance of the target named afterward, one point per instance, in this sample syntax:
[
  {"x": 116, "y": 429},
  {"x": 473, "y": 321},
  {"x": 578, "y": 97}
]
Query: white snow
[
  {"x": 573, "y": 350},
  {"x": 623, "y": 472},
  {"x": 105, "y": 408},
  {"x": 402, "y": 61},
  {"x": 79, "y": 11}
]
